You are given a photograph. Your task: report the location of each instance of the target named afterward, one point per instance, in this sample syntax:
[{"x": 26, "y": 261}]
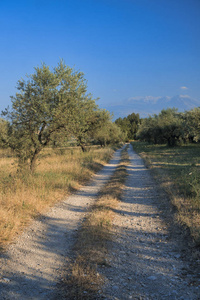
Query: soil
[
  {"x": 147, "y": 258},
  {"x": 32, "y": 267}
]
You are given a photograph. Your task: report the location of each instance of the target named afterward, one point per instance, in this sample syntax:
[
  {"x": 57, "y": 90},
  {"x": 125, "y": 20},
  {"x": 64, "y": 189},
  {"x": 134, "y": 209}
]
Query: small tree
[
  {"x": 166, "y": 127},
  {"x": 4, "y": 133},
  {"x": 192, "y": 125},
  {"x": 129, "y": 125},
  {"x": 148, "y": 130},
  {"x": 90, "y": 121},
  {"x": 133, "y": 120},
  {"x": 171, "y": 125},
  {"x": 109, "y": 133},
  {"x": 48, "y": 102}
]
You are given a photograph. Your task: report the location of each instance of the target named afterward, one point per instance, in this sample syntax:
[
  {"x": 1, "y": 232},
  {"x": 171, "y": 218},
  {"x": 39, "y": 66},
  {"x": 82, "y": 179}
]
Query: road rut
[
  {"x": 145, "y": 260},
  {"x": 32, "y": 267}
]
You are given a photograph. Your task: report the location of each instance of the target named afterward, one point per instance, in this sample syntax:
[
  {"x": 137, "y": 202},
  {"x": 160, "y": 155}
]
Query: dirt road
[
  {"x": 144, "y": 262},
  {"x": 32, "y": 267},
  {"x": 146, "y": 259}
]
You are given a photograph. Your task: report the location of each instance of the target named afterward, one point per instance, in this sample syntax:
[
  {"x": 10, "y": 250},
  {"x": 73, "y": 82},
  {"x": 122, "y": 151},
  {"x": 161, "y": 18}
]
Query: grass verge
[
  {"x": 84, "y": 281},
  {"x": 24, "y": 196},
  {"x": 178, "y": 171}
]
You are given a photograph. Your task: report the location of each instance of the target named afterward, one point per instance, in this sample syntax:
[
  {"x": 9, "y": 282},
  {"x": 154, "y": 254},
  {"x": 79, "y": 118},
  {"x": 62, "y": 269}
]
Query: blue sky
[{"x": 125, "y": 48}]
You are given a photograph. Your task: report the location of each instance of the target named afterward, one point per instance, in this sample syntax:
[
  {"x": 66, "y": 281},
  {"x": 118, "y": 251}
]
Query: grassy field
[
  {"x": 24, "y": 196},
  {"x": 178, "y": 170}
]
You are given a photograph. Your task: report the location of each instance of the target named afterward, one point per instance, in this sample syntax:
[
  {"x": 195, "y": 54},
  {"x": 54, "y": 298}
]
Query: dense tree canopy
[
  {"x": 47, "y": 103},
  {"x": 91, "y": 121},
  {"x": 129, "y": 125},
  {"x": 192, "y": 124},
  {"x": 108, "y": 133},
  {"x": 171, "y": 127}
]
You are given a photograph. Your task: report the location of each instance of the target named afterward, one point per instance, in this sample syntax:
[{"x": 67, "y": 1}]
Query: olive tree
[
  {"x": 129, "y": 125},
  {"x": 109, "y": 133},
  {"x": 192, "y": 125},
  {"x": 47, "y": 102},
  {"x": 166, "y": 127},
  {"x": 4, "y": 131},
  {"x": 171, "y": 126},
  {"x": 90, "y": 121}
]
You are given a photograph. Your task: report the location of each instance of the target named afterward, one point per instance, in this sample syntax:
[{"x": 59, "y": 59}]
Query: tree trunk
[
  {"x": 83, "y": 147},
  {"x": 33, "y": 160}
]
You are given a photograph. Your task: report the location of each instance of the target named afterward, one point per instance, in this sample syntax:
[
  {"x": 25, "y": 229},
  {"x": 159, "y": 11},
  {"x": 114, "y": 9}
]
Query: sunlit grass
[
  {"x": 24, "y": 196},
  {"x": 178, "y": 170}
]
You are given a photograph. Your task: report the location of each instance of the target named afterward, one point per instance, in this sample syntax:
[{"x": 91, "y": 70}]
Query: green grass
[{"x": 178, "y": 170}]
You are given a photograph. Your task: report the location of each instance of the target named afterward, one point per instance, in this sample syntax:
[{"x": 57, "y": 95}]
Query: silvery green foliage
[
  {"x": 166, "y": 127},
  {"x": 47, "y": 102},
  {"x": 192, "y": 124}
]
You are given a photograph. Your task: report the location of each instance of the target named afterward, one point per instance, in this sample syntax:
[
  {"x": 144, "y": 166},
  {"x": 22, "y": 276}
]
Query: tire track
[
  {"x": 32, "y": 267},
  {"x": 145, "y": 260}
]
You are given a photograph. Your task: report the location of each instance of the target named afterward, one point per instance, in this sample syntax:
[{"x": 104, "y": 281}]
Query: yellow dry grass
[
  {"x": 24, "y": 196},
  {"x": 177, "y": 170}
]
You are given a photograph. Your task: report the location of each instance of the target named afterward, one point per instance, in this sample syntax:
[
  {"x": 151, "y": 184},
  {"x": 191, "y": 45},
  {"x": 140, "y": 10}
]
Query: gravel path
[
  {"x": 145, "y": 259},
  {"x": 32, "y": 267}
]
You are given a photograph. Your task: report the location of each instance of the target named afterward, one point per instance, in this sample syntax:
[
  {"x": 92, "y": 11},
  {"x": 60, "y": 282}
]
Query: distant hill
[{"x": 149, "y": 105}]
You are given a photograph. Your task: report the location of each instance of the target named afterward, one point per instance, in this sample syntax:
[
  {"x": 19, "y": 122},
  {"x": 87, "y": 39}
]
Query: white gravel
[
  {"x": 31, "y": 268},
  {"x": 145, "y": 258}
]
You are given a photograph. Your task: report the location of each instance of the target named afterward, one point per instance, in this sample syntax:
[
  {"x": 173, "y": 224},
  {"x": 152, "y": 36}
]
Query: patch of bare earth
[{"x": 147, "y": 259}]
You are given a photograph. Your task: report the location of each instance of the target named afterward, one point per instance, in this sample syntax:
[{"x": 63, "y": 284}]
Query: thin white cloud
[
  {"x": 146, "y": 98},
  {"x": 184, "y": 88},
  {"x": 184, "y": 96}
]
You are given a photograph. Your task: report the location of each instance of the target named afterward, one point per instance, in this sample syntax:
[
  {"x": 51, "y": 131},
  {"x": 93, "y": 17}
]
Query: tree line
[
  {"x": 168, "y": 127},
  {"x": 129, "y": 125},
  {"x": 171, "y": 127},
  {"x": 50, "y": 107}
]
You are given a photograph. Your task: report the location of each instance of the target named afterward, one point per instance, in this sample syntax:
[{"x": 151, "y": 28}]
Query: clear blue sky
[{"x": 126, "y": 48}]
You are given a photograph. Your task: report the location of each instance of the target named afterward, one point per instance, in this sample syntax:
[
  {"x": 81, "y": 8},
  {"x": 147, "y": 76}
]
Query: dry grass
[
  {"x": 178, "y": 171},
  {"x": 24, "y": 196},
  {"x": 90, "y": 250}
]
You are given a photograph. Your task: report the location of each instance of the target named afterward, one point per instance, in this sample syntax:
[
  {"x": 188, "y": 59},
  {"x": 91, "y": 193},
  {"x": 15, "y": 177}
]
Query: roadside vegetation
[
  {"x": 129, "y": 125},
  {"x": 178, "y": 171},
  {"x": 171, "y": 127},
  {"x": 50, "y": 111},
  {"x": 24, "y": 196},
  {"x": 53, "y": 109},
  {"x": 170, "y": 145},
  {"x": 53, "y": 106},
  {"x": 84, "y": 280}
]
